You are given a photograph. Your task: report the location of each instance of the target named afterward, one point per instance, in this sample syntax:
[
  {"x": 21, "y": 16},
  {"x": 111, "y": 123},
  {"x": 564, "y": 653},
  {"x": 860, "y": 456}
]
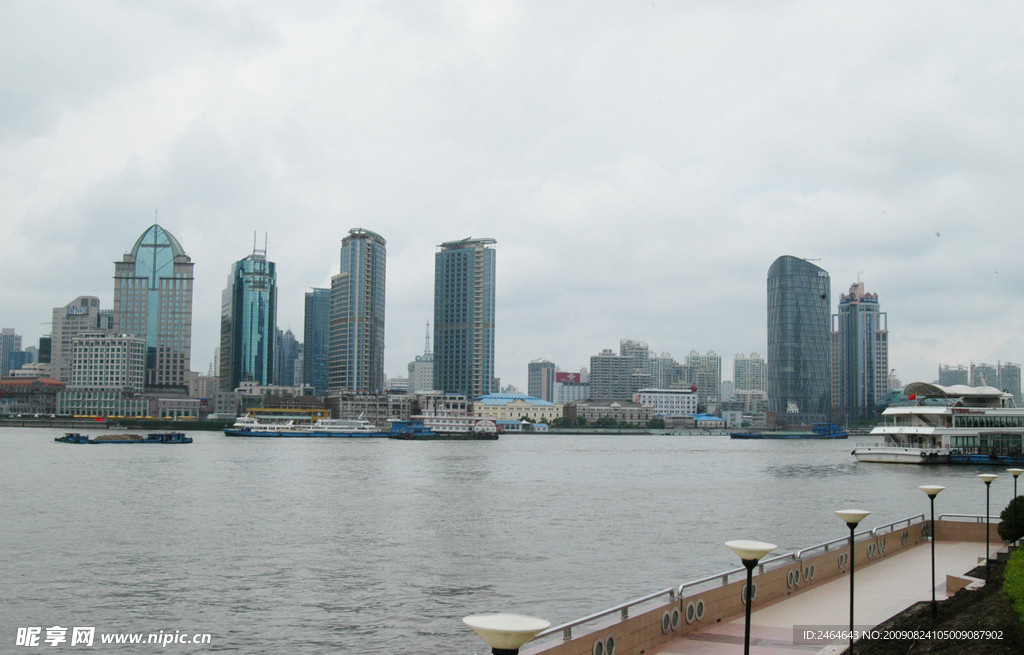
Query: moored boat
[
  {"x": 817, "y": 431},
  {"x": 949, "y": 425},
  {"x": 249, "y": 426}
]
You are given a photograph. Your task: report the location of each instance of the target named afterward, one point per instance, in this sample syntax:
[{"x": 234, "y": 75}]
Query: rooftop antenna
[{"x": 426, "y": 351}]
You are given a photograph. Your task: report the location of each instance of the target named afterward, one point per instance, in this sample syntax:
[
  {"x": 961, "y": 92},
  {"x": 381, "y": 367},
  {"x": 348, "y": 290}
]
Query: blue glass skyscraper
[
  {"x": 356, "y": 351},
  {"x": 153, "y": 300},
  {"x": 248, "y": 328},
  {"x": 464, "y": 317},
  {"x": 316, "y": 339},
  {"x": 799, "y": 342}
]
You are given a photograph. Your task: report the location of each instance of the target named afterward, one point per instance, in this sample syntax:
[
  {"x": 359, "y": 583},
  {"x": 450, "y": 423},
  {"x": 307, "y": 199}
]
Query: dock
[{"x": 796, "y": 596}]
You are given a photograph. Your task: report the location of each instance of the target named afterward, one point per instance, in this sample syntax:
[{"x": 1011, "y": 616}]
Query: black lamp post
[
  {"x": 506, "y": 633},
  {"x": 852, "y": 517},
  {"x": 932, "y": 492},
  {"x": 987, "y": 478},
  {"x": 1015, "y": 473},
  {"x": 749, "y": 553}
]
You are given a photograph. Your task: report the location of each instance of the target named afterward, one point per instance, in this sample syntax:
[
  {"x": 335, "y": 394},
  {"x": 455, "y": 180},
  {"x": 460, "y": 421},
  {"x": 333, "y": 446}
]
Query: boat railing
[
  {"x": 977, "y": 518},
  {"x": 673, "y": 593}
]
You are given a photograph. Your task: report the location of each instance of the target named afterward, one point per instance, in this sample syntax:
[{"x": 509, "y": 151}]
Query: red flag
[{"x": 912, "y": 396}]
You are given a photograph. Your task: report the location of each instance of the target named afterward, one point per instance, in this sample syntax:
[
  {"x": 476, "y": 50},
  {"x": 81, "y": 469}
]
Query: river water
[{"x": 377, "y": 546}]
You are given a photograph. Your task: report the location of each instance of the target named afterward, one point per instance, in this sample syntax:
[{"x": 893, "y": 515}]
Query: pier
[{"x": 803, "y": 590}]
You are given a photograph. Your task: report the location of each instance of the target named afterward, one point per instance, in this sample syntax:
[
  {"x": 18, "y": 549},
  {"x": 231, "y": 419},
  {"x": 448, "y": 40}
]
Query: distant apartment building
[
  {"x": 611, "y": 376},
  {"x": 464, "y": 299},
  {"x": 1003, "y": 375},
  {"x": 706, "y": 373},
  {"x": 860, "y": 355},
  {"x": 749, "y": 373},
  {"x": 356, "y": 351},
  {"x": 668, "y": 403},
  {"x": 953, "y": 375},
  {"x": 569, "y": 387},
  {"x": 541, "y": 379},
  {"x": 153, "y": 301}
]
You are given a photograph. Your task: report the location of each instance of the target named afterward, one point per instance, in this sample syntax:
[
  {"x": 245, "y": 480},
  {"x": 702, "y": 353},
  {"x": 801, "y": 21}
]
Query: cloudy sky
[{"x": 639, "y": 164}]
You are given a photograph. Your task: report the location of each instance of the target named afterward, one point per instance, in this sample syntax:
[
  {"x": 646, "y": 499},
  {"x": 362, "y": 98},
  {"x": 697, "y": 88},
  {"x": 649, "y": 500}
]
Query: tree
[{"x": 1011, "y": 521}]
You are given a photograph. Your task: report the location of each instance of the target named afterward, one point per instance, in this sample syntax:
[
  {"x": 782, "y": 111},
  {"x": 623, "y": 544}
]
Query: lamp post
[
  {"x": 505, "y": 633},
  {"x": 749, "y": 553},
  {"x": 987, "y": 478},
  {"x": 1015, "y": 473},
  {"x": 851, "y": 517},
  {"x": 932, "y": 492}
]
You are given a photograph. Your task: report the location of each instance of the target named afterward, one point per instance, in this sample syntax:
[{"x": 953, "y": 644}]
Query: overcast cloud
[{"x": 640, "y": 165}]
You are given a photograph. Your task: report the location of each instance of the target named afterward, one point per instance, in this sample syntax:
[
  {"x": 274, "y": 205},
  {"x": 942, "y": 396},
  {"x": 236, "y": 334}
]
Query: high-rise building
[
  {"x": 153, "y": 300},
  {"x": 860, "y": 354},
  {"x": 610, "y": 376},
  {"x": 356, "y": 351},
  {"x": 464, "y": 274},
  {"x": 799, "y": 342},
  {"x": 248, "y": 323},
  {"x": 984, "y": 375},
  {"x": 706, "y": 372},
  {"x": 1009, "y": 380},
  {"x": 749, "y": 373},
  {"x": 108, "y": 375},
  {"x": 541, "y": 379},
  {"x": 316, "y": 339},
  {"x": 10, "y": 343},
  {"x": 953, "y": 375},
  {"x": 288, "y": 351},
  {"x": 78, "y": 316}
]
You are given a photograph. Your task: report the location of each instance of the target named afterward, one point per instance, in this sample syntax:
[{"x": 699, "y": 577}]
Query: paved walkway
[{"x": 882, "y": 590}]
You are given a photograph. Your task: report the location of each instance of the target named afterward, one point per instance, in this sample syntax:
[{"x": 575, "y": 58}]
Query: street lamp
[
  {"x": 987, "y": 478},
  {"x": 932, "y": 492},
  {"x": 749, "y": 552},
  {"x": 851, "y": 517},
  {"x": 1015, "y": 473},
  {"x": 505, "y": 633}
]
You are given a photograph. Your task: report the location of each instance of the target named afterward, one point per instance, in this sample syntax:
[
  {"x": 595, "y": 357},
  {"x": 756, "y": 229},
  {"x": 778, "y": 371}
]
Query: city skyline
[{"x": 640, "y": 173}]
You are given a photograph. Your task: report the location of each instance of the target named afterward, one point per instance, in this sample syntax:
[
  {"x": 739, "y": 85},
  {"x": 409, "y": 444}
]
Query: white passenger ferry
[{"x": 956, "y": 424}]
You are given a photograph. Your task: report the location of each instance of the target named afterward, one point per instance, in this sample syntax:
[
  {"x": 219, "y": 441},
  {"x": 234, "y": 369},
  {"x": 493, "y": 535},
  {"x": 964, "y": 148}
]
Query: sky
[{"x": 640, "y": 165}]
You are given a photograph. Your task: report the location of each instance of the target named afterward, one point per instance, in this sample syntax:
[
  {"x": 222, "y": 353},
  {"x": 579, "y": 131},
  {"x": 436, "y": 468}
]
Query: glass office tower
[
  {"x": 248, "y": 323},
  {"x": 316, "y": 339},
  {"x": 153, "y": 300},
  {"x": 860, "y": 355},
  {"x": 464, "y": 317},
  {"x": 356, "y": 350},
  {"x": 799, "y": 342}
]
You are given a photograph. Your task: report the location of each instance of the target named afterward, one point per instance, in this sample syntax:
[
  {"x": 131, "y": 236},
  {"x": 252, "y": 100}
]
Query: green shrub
[
  {"x": 1013, "y": 583},
  {"x": 1011, "y": 521}
]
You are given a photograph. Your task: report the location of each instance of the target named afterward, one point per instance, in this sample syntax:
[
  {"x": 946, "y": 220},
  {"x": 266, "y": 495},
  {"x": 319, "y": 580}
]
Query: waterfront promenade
[
  {"x": 882, "y": 590},
  {"x": 797, "y": 595}
]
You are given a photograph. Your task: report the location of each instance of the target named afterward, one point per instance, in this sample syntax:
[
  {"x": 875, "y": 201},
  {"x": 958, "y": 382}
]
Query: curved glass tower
[
  {"x": 153, "y": 300},
  {"x": 799, "y": 342}
]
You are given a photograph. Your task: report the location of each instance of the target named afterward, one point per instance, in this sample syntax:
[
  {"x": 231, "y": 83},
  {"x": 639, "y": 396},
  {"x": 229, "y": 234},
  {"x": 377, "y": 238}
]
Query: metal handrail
[
  {"x": 677, "y": 592},
  {"x": 978, "y": 518},
  {"x": 623, "y": 609}
]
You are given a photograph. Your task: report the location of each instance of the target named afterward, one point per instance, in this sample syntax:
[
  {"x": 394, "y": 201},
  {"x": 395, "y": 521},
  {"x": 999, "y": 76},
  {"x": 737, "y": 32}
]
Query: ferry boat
[
  {"x": 428, "y": 427},
  {"x": 249, "y": 426},
  {"x": 153, "y": 437},
  {"x": 949, "y": 425},
  {"x": 818, "y": 431}
]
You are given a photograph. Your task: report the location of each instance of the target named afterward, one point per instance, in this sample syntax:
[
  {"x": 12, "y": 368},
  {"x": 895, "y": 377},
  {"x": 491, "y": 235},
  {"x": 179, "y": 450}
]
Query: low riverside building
[
  {"x": 516, "y": 406},
  {"x": 620, "y": 411},
  {"x": 24, "y": 396},
  {"x": 668, "y": 403}
]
